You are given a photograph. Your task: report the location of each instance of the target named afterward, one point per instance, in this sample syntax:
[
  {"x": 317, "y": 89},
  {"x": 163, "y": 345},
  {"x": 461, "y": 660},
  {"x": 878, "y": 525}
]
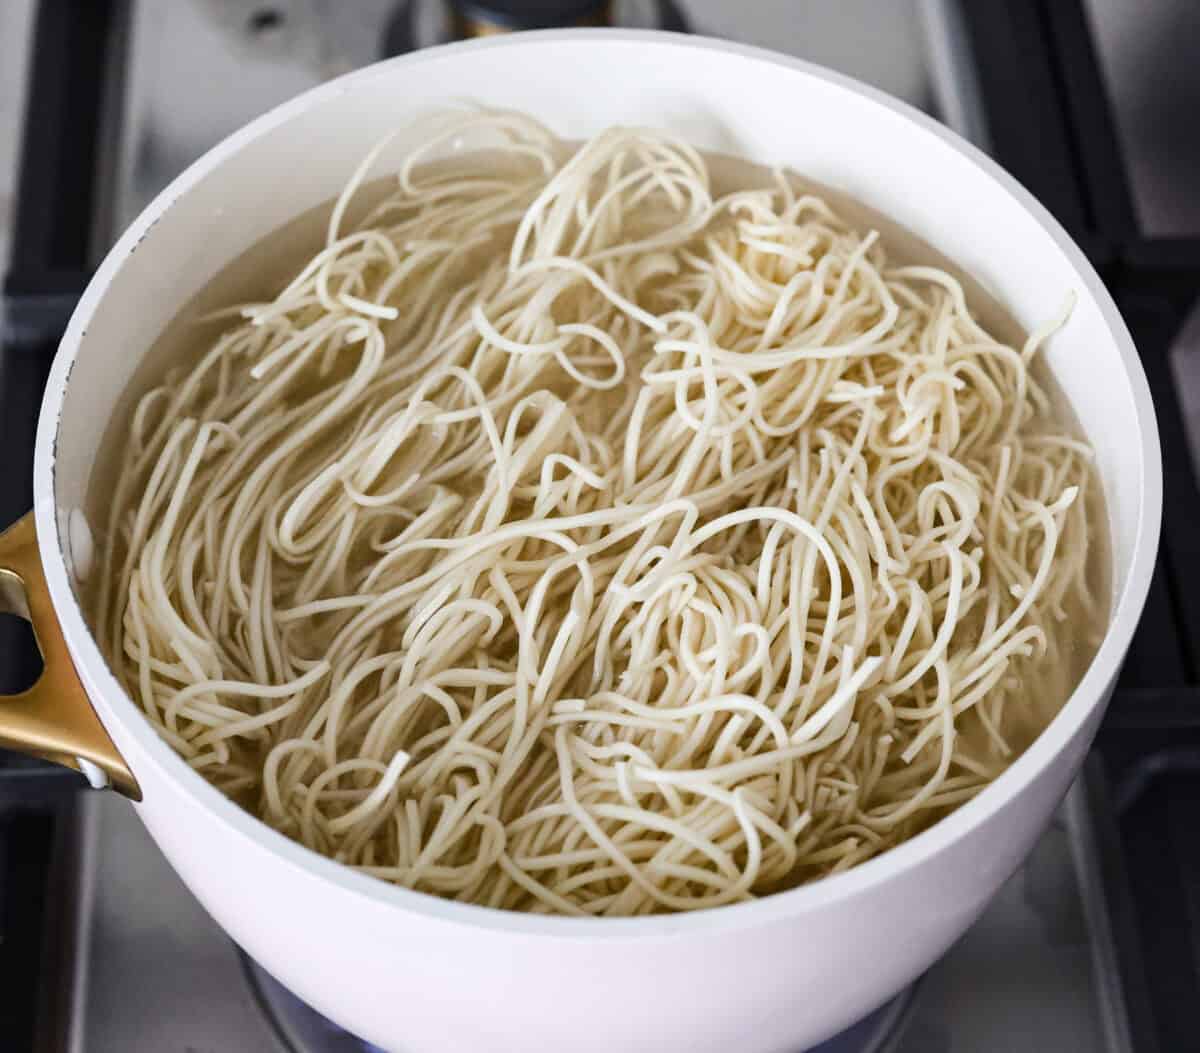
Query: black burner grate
[{"x": 1051, "y": 123}]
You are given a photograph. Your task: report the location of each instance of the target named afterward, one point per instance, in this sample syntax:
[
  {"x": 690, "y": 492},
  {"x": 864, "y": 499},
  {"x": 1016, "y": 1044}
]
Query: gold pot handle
[{"x": 54, "y": 719}]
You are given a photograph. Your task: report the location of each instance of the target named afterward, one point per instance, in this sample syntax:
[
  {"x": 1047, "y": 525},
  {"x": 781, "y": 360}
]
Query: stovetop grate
[{"x": 1051, "y": 124}]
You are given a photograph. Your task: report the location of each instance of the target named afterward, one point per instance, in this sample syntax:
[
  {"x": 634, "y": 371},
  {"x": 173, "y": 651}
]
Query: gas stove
[
  {"x": 1094, "y": 945},
  {"x": 151, "y": 971}
]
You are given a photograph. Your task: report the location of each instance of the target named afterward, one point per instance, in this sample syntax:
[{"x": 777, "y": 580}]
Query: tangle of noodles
[{"x": 567, "y": 538}]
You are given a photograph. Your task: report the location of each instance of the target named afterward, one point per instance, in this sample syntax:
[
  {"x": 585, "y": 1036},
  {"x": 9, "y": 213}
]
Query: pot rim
[{"x": 1089, "y": 693}]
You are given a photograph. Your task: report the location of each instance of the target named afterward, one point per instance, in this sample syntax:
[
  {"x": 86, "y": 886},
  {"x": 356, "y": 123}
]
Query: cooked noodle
[{"x": 566, "y": 538}]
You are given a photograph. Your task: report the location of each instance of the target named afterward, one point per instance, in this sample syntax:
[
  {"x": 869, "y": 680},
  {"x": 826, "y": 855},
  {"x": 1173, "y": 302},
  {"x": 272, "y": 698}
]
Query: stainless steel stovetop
[{"x": 154, "y": 974}]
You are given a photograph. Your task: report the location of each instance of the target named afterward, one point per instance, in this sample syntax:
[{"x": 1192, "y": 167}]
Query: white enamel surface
[
  {"x": 80, "y": 547},
  {"x": 415, "y": 973}
]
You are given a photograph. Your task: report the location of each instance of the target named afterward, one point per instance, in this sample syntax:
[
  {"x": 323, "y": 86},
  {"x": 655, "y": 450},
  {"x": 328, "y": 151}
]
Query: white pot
[{"x": 409, "y": 971}]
